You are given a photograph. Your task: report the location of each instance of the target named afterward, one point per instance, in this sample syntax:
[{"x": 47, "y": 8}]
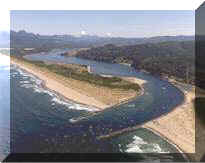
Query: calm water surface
[{"x": 41, "y": 121}]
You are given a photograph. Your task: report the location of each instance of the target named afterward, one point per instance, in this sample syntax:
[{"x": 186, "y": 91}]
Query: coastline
[
  {"x": 62, "y": 90},
  {"x": 178, "y": 126},
  {"x": 186, "y": 156},
  {"x": 51, "y": 81},
  {"x": 161, "y": 125}
]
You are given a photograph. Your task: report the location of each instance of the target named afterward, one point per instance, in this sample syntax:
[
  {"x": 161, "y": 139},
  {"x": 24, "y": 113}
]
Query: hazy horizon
[
  {"x": 97, "y": 35},
  {"x": 128, "y": 24}
]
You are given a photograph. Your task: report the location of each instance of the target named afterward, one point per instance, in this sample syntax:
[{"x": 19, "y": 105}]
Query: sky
[{"x": 105, "y": 23}]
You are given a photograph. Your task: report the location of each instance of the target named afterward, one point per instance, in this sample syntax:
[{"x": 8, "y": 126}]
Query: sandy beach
[
  {"x": 54, "y": 84},
  {"x": 78, "y": 91},
  {"x": 178, "y": 126}
]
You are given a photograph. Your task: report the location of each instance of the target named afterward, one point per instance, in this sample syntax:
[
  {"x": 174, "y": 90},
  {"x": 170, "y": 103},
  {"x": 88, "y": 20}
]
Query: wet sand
[
  {"x": 178, "y": 126},
  {"x": 78, "y": 91}
]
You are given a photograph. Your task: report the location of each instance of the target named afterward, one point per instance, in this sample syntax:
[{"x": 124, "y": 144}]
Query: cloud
[
  {"x": 83, "y": 33},
  {"x": 108, "y": 34}
]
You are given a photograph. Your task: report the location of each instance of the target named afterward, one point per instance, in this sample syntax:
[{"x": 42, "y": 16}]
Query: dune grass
[{"x": 72, "y": 71}]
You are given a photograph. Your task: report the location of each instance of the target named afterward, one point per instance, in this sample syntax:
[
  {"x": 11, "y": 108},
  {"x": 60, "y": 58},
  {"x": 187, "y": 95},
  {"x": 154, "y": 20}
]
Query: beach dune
[
  {"x": 78, "y": 91},
  {"x": 178, "y": 126}
]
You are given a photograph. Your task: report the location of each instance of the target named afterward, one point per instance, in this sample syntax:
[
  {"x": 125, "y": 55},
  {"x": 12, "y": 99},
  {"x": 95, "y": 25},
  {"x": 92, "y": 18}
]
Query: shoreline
[
  {"x": 169, "y": 141},
  {"x": 151, "y": 125},
  {"x": 177, "y": 126},
  {"x": 45, "y": 84},
  {"x": 61, "y": 90}
]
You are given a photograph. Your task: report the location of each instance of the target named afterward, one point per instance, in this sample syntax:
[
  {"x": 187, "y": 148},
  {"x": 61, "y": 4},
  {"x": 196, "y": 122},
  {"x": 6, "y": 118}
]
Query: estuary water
[{"x": 42, "y": 121}]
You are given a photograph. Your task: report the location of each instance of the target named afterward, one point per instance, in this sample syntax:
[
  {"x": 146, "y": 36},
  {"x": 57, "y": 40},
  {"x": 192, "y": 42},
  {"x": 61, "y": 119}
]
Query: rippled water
[
  {"x": 142, "y": 141},
  {"x": 42, "y": 121},
  {"x": 159, "y": 96}
]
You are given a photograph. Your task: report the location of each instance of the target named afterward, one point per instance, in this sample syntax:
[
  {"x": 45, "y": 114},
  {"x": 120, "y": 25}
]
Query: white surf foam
[
  {"x": 74, "y": 106},
  {"x": 24, "y": 82},
  {"x": 140, "y": 146},
  {"x": 157, "y": 149},
  {"x": 30, "y": 81},
  {"x": 135, "y": 145}
]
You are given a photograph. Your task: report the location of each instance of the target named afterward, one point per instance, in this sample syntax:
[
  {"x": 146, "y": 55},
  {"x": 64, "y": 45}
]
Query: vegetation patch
[
  {"x": 78, "y": 72},
  {"x": 173, "y": 58}
]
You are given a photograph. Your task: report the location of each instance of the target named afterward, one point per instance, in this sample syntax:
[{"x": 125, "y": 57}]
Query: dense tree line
[{"x": 172, "y": 58}]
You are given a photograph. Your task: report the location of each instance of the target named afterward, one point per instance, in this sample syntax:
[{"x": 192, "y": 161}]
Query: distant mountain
[
  {"x": 25, "y": 39},
  {"x": 170, "y": 55},
  {"x": 4, "y": 39}
]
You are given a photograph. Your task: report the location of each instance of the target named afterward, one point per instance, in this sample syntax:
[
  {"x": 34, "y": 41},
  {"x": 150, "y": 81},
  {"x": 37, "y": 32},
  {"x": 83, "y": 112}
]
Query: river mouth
[{"x": 152, "y": 104}]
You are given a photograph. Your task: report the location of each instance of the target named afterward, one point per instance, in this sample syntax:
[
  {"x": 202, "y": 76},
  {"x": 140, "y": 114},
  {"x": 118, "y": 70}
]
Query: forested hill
[
  {"x": 172, "y": 58},
  {"x": 171, "y": 55},
  {"x": 23, "y": 39}
]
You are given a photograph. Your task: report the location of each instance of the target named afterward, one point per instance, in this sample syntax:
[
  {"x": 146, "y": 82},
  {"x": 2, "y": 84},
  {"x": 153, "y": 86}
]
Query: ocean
[{"x": 42, "y": 122}]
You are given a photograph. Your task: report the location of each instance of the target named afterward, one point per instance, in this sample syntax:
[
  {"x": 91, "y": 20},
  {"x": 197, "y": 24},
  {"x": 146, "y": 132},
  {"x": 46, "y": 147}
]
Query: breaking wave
[
  {"x": 138, "y": 145},
  {"x": 30, "y": 81}
]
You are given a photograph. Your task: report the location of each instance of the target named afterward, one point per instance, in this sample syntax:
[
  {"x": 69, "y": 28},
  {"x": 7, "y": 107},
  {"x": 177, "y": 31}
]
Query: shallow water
[
  {"x": 159, "y": 96},
  {"x": 41, "y": 121}
]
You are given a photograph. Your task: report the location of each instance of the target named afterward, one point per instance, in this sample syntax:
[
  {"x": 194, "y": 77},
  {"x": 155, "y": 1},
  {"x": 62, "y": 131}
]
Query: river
[{"x": 42, "y": 121}]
